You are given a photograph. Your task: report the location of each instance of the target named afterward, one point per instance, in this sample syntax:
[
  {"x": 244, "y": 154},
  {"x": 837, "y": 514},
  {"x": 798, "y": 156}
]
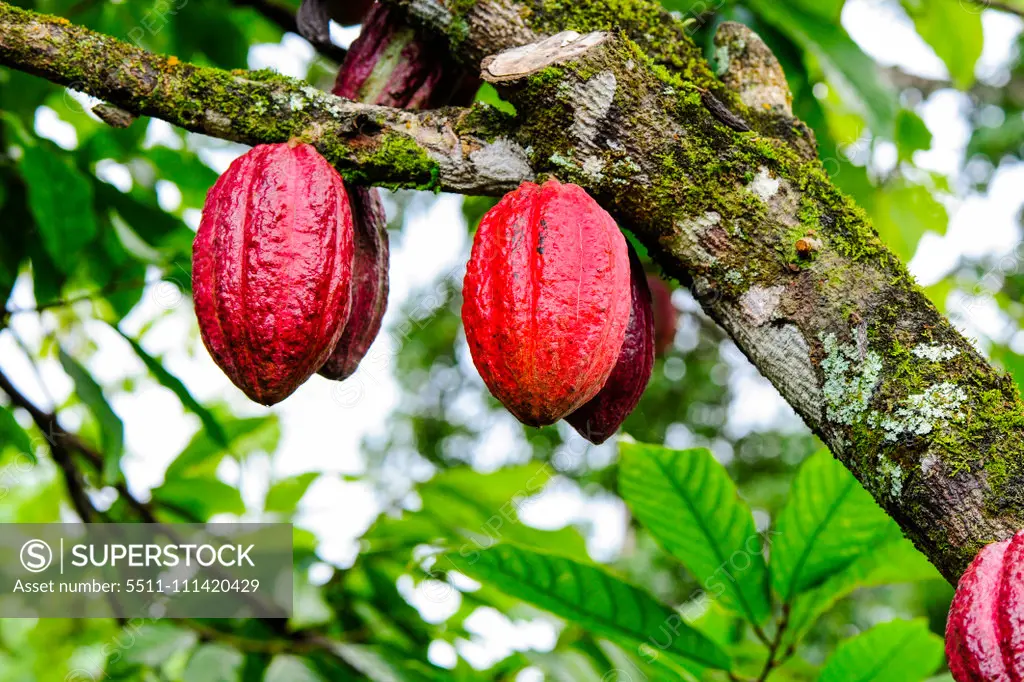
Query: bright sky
[{"x": 323, "y": 423}]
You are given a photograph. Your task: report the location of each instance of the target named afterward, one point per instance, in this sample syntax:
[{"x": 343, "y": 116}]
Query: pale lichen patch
[
  {"x": 923, "y": 412},
  {"x": 894, "y": 472},
  {"x": 850, "y": 379},
  {"x": 934, "y": 352},
  {"x": 764, "y": 185},
  {"x": 760, "y": 303}
]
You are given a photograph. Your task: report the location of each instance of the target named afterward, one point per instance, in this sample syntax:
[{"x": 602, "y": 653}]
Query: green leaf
[
  {"x": 286, "y": 668},
  {"x": 60, "y": 199},
  {"x": 898, "y": 651},
  {"x": 851, "y": 72},
  {"x": 284, "y": 495},
  {"x": 169, "y": 381},
  {"x": 953, "y": 32},
  {"x": 244, "y": 436},
  {"x": 829, "y": 10},
  {"x": 198, "y": 499},
  {"x": 892, "y": 559},
  {"x": 589, "y": 596},
  {"x": 828, "y": 521},
  {"x": 214, "y": 663},
  {"x": 111, "y": 427},
  {"x": 12, "y": 435},
  {"x": 911, "y": 134},
  {"x": 903, "y": 213},
  {"x": 153, "y": 644},
  {"x": 690, "y": 505}
]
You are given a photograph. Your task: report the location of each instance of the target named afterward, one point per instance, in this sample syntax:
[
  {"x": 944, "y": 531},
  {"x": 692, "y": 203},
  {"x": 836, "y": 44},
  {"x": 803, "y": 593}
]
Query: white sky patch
[{"x": 50, "y": 125}]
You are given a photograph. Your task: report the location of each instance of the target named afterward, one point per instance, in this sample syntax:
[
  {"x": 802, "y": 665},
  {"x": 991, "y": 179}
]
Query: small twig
[
  {"x": 113, "y": 287},
  {"x": 773, "y": 647}
]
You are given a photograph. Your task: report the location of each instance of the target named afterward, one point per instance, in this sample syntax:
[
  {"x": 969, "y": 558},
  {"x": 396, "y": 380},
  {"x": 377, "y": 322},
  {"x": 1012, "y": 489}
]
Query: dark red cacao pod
[
  {"x": 272, "y": 266},
  {"x": 604, "y": 413},
  {"x": 546, "y": 300},
  {"x": 665, "y": 315},
  {"x": 389, "y": 64},
  {"x": 369, "y": 284},
  {"x": 985, "y": 628}
]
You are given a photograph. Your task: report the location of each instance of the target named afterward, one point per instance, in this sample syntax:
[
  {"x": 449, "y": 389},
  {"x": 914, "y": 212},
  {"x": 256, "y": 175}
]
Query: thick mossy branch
[{"x": 443, "y": 149}]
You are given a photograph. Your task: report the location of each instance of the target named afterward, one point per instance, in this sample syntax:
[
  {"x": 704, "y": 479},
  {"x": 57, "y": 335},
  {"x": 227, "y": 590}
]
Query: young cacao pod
[
  {"x": 985, "y": 628},
  {"x": 369, "y": 284},
  {"x": 546, "y": 300},
  {"x": 665, "y": 315},
  {"x": 272, "y": 266},
  {"x": 598, "y": 419}
]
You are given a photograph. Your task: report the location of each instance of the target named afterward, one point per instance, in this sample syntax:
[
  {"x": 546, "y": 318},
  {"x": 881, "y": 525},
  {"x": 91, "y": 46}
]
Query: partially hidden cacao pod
[
  {"x": 272, "y": 266},
  {"x": 985, "y": 628},
  {"x": 666, "y": 316},
  {"x": 369, "y": 284},
  {"x": 546, "y": 300},
  {"x": 601, "y": 417}
]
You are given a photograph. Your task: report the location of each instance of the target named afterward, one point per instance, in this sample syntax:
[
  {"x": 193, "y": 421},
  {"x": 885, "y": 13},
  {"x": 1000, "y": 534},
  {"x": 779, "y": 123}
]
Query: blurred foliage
[{"x": 96, "y": 225}]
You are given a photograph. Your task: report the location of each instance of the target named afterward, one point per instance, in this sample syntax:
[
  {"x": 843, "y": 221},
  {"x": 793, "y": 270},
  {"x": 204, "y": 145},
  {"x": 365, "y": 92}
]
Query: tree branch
[
  {"x": 444, "y": 149},
  {"x": 839, "y": 327},
  {"x": 1007, "y": 7}
]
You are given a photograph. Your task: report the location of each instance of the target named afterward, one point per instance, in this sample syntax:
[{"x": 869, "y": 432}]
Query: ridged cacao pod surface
[
  {"x": 369, "y": 284},
  {"x": 601, "y": 417},
  {"x": 546, "y": 300},
  {"x": 985, "y": 628},
  {"x": 272, "y": 266}
]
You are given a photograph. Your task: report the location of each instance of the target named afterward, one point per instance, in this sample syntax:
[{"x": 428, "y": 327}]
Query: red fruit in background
[
  {"x": 272, "y": 265},
  {"x": 546, "y": 300},
  {"x": 985, "y": 628},
  {"x": 665, "y": 315},
  {"x": 604, "y": 413},
  {"x": 389, "y": 64},
  {"x": 369, "y": 284}
]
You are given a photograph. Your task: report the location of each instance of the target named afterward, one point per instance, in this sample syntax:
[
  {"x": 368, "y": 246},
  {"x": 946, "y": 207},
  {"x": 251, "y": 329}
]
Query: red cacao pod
[
  {"x": 272, "y": 266},
  {"x": 665, "y": 315},
  {"x": 985, "y": 628},
  {"x": 546, "y": 300},
  {"x": 369, "y": 284},
  {"x": 604, "y": 413}
]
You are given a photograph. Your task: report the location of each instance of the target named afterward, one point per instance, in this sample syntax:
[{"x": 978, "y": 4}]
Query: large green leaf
[
  {"x": 828, "y": 521},
  {"x": 851, "y": 72},
  {"x": 111, "y": 426},
  {"x": 197, "y": 499},
  {"x": 203, "y": 453},
  {"x": 690, "y": 505},
  {"x": 954, "y": 32},
  {"x": 589, "y": 596},
  {"x": 169, "y": 381},
  {"x": 214, "y": 663},
  {"x": 286, "y": 668},
  {"x": 461, "y": 504},
  {"x": 898, "y": 651},
  {"x": 903, "y": 212},
  {"x": 284, "y": 495},
  {"x": 60, "y": 199},
  {"x": 891, "y": 559},
  {"x": 12, "y": 435}
]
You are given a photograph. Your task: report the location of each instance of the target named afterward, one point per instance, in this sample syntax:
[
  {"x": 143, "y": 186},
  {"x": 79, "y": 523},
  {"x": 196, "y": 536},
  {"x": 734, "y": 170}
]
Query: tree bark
[{"x": 714, "y": 176}]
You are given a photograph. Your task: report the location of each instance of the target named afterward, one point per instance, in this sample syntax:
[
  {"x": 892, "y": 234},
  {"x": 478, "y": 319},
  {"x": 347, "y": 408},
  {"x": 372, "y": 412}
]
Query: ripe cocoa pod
[
  {"x": 665, "y": 315},
  {"x": 272, "y": 266},
  {"x": 985, "y": 628},
  {"x": 369, "y": 284},
  {"x": 546, "y": 300},
  {"x": 601, "y": 417}
]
